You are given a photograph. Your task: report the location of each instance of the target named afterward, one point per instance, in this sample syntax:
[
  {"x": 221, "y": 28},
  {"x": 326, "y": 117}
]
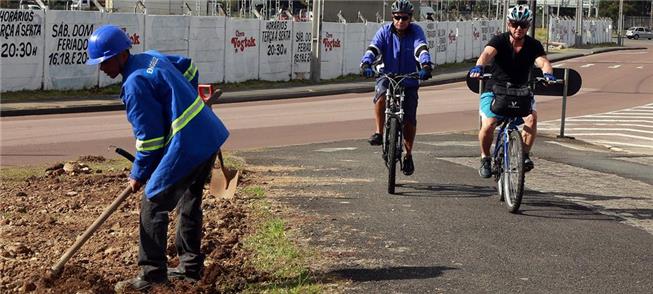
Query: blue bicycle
[{"x": 508, "y": 156}]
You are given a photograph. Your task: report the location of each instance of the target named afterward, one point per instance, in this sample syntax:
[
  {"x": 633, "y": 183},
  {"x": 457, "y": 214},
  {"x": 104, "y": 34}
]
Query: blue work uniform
[
  {"x": 399, "y": 55},
  {"x": 174, "y": 130}
]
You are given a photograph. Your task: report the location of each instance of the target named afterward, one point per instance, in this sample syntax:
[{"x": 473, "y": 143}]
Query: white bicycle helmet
[{"x": 520, "y": 13}]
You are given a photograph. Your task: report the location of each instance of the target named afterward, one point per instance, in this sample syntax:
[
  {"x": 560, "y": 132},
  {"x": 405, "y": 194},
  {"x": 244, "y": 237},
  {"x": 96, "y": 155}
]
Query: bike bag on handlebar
[{"x": 511, "y": 100}]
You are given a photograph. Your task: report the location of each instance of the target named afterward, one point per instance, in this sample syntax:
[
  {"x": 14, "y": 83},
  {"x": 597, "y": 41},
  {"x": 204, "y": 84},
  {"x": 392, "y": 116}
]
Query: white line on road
[
  {"x": 588, "y": 65},
  {"x": 640, "y": 67},
  {"x": 569, "y": 124},
  {"x": 616, "y": 135},
  {"x": 616, "y": 116},
  {"x": 574, "y": 147},
  {"x": 600, "y": 129},
  {"x": 623, "y": 144},
  {"x": 336, "y": 149},
  {"x": 608, "y": 120},
  {"x": 558, "y": 65},
  {"x": 615, "y": 66}
]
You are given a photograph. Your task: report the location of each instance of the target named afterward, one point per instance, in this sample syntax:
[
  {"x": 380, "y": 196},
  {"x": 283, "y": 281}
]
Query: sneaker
[
  {"x": 375, "y": 140},
  {"x": 177, "y": 273},
  {"x": 408, "y": 167},
  {"x": 135, "y": 284},
  {"x": 485, "y": 171},
  {"x": 528, "y": 163}
]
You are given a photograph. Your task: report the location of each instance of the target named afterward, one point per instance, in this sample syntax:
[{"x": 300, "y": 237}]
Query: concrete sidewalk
[{"x": 110, "y": 102}]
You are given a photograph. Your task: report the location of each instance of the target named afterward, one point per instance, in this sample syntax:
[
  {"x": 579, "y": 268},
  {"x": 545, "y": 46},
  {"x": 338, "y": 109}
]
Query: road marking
[
  {"x": 616, "y": 135},
  {"x": 607, "y": 120},
  {"x": 628, "y": 200},
  {"x": 607, "y": 115},
  {"x": 623, "y": 144},
  {"x": 640, "y": 67},
  {"x": 569, "y": 124},
  {"x": 615, "y": 66},
  {"x": 599, "y": 129},
  {"x": 588, "y": 65},
  {"x": 336, "y": 149},
  {"x": 574, "y": 147},
  {"x": 558, "y": 65}
]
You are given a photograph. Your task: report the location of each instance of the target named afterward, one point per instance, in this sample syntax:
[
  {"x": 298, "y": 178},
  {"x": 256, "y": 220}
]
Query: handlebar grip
[{"x": 125, "y": 154}]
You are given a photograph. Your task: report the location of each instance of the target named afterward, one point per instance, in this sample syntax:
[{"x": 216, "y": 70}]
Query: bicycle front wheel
[
  {"x": 513, "y": 172},
  {"x": 393, "y": 140}
]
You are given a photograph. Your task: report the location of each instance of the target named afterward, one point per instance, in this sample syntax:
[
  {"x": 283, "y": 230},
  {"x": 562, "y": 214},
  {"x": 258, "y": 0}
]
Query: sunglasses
[
  {"x": 520, "y": 24},
  {"x": 399, "y": 17}
]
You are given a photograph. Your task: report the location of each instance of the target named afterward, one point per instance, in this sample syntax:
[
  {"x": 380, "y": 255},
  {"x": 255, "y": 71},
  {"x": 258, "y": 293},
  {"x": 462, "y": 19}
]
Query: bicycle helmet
[
  {"x": 519, "y": 13},
  {"x": 402, "y": 6},
  {"x": 106, "y": 42}
]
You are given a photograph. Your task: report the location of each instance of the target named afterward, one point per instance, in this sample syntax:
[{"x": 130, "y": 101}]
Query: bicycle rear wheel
[
  {"x": 393, "y": 138},
  {"x": 497, "y": 170},
  {"x": 513, "y": 172}
]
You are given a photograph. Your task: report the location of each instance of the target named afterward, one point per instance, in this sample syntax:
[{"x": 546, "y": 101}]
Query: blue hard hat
[{"x": 106, "y": 42}]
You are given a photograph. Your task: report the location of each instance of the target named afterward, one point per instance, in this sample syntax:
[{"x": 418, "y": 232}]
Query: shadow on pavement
[
  {"x": 439, "y": 190},
  {"x": 545, "y": 205},
  {"x": 390, "y": 273}
]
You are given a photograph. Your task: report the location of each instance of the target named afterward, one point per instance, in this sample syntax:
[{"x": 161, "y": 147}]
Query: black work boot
[
  {"x": 136, "y": 284},
  {"x": 528, "y": 163},
  {"x": 485, "y": 171},
  {"x": 375, "y": 140},
  {"x": 178, "y": 273}
]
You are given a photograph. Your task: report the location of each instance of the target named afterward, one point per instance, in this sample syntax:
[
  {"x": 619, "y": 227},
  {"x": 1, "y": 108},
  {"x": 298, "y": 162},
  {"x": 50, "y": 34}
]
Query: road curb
[{"x": 287, "y": 93}]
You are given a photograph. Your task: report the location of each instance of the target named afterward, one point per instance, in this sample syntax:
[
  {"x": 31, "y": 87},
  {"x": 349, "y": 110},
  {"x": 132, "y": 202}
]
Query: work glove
[
  {"x": 367, "y": 71},
  {"x": 425, "y": 72},
  {"x": 476, "y": 71},
  {"x": 549, "y": 77}
]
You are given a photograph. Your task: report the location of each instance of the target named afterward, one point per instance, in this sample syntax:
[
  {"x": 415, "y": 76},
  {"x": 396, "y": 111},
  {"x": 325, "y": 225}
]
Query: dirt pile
[{"x": 42, "y": 216}]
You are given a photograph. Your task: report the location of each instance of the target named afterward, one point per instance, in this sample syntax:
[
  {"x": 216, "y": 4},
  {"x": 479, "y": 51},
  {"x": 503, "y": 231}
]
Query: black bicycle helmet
[{"x": 402, "y": 6}]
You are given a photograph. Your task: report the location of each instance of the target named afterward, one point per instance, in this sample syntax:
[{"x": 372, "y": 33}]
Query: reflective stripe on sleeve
[
  {"x": 151, "y": 144},
  {"x": 190, "y": 72},
  {"x": 186, "y": 117}
]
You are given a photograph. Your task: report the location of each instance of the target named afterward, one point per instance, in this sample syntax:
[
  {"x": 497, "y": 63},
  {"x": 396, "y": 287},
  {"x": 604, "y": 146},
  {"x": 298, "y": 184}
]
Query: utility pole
[
  {"x": 533, "y": 7},
  {"x": 620, "y": 25},
  {"x": 579, "y": 22},
  {"x": 650, "y": 20},
  {"x": 315, "y": 41}
]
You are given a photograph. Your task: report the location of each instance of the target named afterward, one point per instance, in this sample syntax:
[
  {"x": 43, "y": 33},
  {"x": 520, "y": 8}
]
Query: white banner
[
  {"x": 275, "y": 50},
  {"x": 354, "y": 48},
  {"x": 23, "y": 46},
  {"x": 332, "y": 50},
  {"x": 134, "y": 27},
  {"x": 167, "y": 34},
  {"x": 452, "y": 41},
  {"x": 206, "y": 47},
  {"x": 241, "y": 50},
  {"x": 477, "y": 46},
  {"x": 66, "y": 41},
  {"x": 466, "y": 38},
  {"x": 442, "y": 42},
  {"x": 431, "y": 34},
  {"x": 301, "y": 51}
]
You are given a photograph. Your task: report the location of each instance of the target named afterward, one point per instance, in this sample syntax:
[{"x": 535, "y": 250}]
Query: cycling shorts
[
  {"x": 410, "y": 100},
  {"x": 485, "y": 103}
]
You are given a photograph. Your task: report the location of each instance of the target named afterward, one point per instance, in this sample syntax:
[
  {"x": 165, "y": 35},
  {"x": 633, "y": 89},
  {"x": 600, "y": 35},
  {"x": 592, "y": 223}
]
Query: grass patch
[
  {"x": 233, "y": 162},
  {"x": 275, "y": 254},
  {"x": 254, "y": 191},
  {"x": 40, "y": 95}
]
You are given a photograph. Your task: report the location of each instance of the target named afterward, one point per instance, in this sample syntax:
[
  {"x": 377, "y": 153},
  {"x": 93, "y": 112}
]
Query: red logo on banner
[
  {"x": 241, "y": 42},
  {"x": 135, "y": 38},
  {"x": 452, "y": 37},
  {"x": 330, "y": 42}
]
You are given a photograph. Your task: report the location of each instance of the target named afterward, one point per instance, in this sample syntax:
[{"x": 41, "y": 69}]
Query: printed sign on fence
[
  {"x": 66, "y": 42},
  {"x": 301, "y": 50},
  {"x": 22, "y": 49},
  {"x": 431, "y": 34},
  {"x": 242, "y": 50},
  {"x": 274, "y": 56}
]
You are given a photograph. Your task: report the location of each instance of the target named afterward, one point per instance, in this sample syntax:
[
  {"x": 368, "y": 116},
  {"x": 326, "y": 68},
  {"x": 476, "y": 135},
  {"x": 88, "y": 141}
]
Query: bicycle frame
[
  {"x": 394, "y": 108},
  {"x": 502, "y": 140}
]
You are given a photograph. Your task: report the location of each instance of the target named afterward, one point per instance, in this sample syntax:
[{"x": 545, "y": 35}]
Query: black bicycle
[{"x": 394, "y": 122}]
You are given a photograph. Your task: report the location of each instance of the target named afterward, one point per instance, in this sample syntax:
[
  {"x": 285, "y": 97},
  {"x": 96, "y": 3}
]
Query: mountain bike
[
  {"x": 394, "y": 122},
  {"x": 508, "y": 156}
]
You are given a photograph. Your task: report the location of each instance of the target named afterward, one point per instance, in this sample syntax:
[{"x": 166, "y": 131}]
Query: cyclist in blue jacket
[
  {"x": 402, "y": 48},
  {"x": 177, "y": 139}
]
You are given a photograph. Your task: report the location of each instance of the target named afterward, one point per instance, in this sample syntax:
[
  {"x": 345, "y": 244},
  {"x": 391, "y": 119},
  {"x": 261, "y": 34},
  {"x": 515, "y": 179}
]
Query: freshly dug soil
[{"x": 41, "y": 217}]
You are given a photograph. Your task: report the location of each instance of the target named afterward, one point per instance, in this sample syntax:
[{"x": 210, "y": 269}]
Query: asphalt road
[{"x": 581, "y": 229}]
